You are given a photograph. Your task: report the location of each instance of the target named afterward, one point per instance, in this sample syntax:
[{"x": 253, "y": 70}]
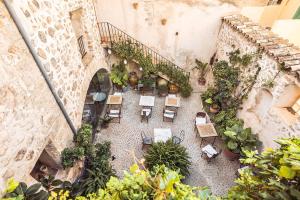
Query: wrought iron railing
[
  {"x": 111, "y": 34},
  {"x": 81, "y": 46}
]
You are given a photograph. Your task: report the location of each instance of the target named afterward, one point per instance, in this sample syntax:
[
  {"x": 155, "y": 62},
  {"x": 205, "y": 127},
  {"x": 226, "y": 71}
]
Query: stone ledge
[{"x": 280, "y": 49}]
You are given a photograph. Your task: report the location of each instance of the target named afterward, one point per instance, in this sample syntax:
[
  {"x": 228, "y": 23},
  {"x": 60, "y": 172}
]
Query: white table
[
  {"x": 162, "y": 134},
  {"x": 147, "y": 101}
]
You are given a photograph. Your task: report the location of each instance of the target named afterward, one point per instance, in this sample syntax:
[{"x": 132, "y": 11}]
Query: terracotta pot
[
  {"x": 230, "y": 155},
  {"x": 133, "y": 79},
  {"x": 214, "y": 108},
  {"x": 173, "y": 88},
  {"x": 201, "y": 81}
]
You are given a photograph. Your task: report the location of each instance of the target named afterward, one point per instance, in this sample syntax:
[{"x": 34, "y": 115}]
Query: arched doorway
[{"x": 96, "y": 97}]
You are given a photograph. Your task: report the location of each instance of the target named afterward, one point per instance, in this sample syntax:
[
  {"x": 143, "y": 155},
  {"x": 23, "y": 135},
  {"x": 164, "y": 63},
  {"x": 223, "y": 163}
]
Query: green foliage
[
  {"x": 131, "y": 51},
  {"x": 20, "y": 191},
  {"x": 83, "y": 137},
  {"x": 98, "y": 171},
  {"x": 119, "y": 74},
  {"x": 269, "y": 83},
  {"x": 228, "y": 92},
  {"x": 70, "y": 155},
  {"x": 160, "y": 184},
  {"x": 239, "y": 139},
  {"x": 274, "y": 174},
  {"x": 52, "y": 184},
  {"x": 201, "y": 67},
  {"x": 173, "y": 156}
]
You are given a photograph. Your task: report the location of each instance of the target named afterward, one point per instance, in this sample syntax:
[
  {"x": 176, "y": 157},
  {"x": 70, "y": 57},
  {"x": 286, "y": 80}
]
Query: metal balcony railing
[{"x": 111, "y": 35}]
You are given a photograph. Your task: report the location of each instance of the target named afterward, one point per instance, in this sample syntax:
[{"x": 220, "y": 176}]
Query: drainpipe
[{"x": 37, "y": 60}]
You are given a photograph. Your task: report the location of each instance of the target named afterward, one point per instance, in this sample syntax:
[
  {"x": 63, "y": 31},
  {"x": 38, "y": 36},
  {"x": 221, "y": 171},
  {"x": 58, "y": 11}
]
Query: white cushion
[
  {"x": 169, "y": 115},
  {"x": 114, "y": 111},
  {"x": 113, "y": 115},
  {"x": 148, "y": 111},
  {"x": 118, "y": 93},
  {"x": 169, "y": 111},
  {"x": 200, "y": 120},
  {"x": 172, "y": 95},
  {"x": 209, "y": 150}
]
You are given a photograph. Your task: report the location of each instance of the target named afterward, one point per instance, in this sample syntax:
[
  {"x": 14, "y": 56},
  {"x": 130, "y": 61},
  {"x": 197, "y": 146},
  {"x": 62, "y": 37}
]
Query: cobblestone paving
[{"x": 126, "y": 140}]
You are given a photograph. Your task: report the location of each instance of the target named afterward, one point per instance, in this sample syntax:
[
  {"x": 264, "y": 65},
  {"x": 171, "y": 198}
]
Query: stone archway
[{"x": 96, "y": 95}]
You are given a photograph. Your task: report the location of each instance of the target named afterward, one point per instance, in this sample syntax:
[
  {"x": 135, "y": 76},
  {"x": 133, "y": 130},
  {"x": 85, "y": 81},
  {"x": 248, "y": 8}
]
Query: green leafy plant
[
  {"x": 104, "y": 121},
  {"x": 173, "y": 156},
  {"x": 203, "y": 69},
  {"x": 70, "y": 155},
  {"x": 239, "y": 139},
  {"x": 119, "y": 74},
  {"x": 273, "y": 174},
  {"x": 268, "y": 83},
  {"x": 20, "y": 191}
]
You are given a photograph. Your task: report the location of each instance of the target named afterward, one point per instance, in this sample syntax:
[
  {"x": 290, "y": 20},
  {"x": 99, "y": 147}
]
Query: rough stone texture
[
  {"x": 126, "y": 141},
  {"x": 271, "y": 121},
  {"x": 29, "y": 116}
]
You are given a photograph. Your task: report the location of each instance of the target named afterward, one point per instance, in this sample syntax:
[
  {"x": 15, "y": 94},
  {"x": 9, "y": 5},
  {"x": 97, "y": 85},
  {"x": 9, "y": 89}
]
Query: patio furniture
[
  {"x": 114, "y": 114},
  {"x": 169, "y": 115},
  {"x": 162, "y": 134},
  {"x": 147, "y": 141},
  {"x": 210, "y": 152},
  {"x": 178, "y": 140},
  {"x": 206, "y": 131},
  {"x": 117, "y": 93},
  {"x": 172, "y": 101},
  {"x": 147, "y": 102},
  {"x": 98, "y": 96},
  {"x": 146, "y": 114}
]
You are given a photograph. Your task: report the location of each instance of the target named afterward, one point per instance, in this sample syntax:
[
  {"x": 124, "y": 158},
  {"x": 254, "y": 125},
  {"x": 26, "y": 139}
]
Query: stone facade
[
  {"x": 265, "y": 109},
  {"x": 30, "y": 119}
]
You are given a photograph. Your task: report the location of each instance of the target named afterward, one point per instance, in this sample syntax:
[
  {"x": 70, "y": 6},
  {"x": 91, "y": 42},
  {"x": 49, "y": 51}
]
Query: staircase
[{"x": 111, "y": 34}]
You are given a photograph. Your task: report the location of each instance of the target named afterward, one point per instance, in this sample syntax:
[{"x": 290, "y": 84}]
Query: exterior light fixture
[
  {"x": 125, "y": 61},
  {"x": 109, "y": 52},
  {"x": 141, "y": 69}
]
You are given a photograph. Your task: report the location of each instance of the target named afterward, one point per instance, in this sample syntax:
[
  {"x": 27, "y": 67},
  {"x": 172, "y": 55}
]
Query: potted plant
[
  {"x": 173, "y": 88},
  {"x": 162, "y": 90},
  {"x": 213, "y": 107},
  {"x": 133, "y": 79},
  {"x": 104, "y": 121},
  {"x": 203, "y": 69},
  {"x": 119, "y": 75},
  {"x": 237, "y": 140}
]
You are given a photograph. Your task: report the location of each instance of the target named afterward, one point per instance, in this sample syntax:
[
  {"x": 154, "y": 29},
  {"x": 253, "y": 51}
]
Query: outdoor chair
[
  {"x": 210, "y": 152},
  {"x": 172, "y": 95},
  {"x": 201, "y": 119},
  {"x": 178, "y": 140},
  {"x": 114, "y": 114},
  {"x": 146, "y": 113},
  {"x": 118, "y": 93},
  {"x": 147, "y": 141},
  {"x": 169, "y": 115}
]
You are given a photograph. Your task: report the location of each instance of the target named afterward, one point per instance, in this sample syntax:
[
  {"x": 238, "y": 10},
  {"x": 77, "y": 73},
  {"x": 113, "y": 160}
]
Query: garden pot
[
  {"x": 173, "y": 88},
  {"x": 230, "y": 155},
  {"x": 162, "y": 93},
  {"x": 133, "y": 79},
  {"x": 214, "y": 108},
  {"x": 201, "y": 81}
]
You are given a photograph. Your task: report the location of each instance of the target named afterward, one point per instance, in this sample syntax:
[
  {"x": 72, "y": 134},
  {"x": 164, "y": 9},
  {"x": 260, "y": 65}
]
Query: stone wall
[
  {"x": 30, "y": 119},
  {"x": 261, "y": 111},
  {"x": 49, "y": 26}
]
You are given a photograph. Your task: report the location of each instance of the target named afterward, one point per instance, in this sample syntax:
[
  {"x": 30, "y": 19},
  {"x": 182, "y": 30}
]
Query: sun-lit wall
[{"x": 288, "y": 29}]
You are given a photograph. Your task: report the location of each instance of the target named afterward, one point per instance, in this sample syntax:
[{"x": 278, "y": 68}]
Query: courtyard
[{"x": 126, "y": 141}]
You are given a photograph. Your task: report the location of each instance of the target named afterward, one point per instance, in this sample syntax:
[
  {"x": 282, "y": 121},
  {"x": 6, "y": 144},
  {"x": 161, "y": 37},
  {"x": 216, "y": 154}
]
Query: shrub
[
  {"x": 173, "y": 156},
  {"x": 274, "y": 174},
  {"x": 70, "y": 155}
]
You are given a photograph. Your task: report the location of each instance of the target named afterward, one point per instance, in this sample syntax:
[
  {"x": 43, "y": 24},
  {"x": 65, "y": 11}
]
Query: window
[
  {"x": 76, "y": 20},
  {"x": 297, "y": 14},
  {"x": 296, "y": 107},
  {"x": 274, "y": 2}
]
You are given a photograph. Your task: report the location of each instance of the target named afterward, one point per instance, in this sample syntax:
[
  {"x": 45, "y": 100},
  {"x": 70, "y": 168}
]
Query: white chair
[
  {"x": 146, "y": 114},
  {"x": 200, "y": 121},
  {"x": 169, "y": 114},
  {"x": 172, "y": 95},
  {"x": 115, "y": 114},
  {"x": 118, "y": 94},
  {"x": 210, "y": 152}
]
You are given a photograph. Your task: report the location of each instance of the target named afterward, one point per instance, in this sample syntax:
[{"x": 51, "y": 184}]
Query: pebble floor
[{"x": 126, "y": 141}]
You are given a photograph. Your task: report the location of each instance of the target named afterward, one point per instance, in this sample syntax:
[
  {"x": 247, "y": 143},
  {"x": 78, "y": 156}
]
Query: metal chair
[
  {"x": 169, "y": 115},
  {"x": 114, "y": 114},
  {"x": 209, "y": 152},
  {"x": 178, "y": 140},
  {"x": 146, "y": 113},
  {"x": 147, "y": 141}
]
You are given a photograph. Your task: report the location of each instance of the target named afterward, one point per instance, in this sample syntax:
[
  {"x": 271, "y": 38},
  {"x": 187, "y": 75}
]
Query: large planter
[
  {"x": 133, "y": 79},
  {"x": 173, "y": 88},
  {"x": 214, "y": 108},
  {"x": 230, "y": 155}
]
